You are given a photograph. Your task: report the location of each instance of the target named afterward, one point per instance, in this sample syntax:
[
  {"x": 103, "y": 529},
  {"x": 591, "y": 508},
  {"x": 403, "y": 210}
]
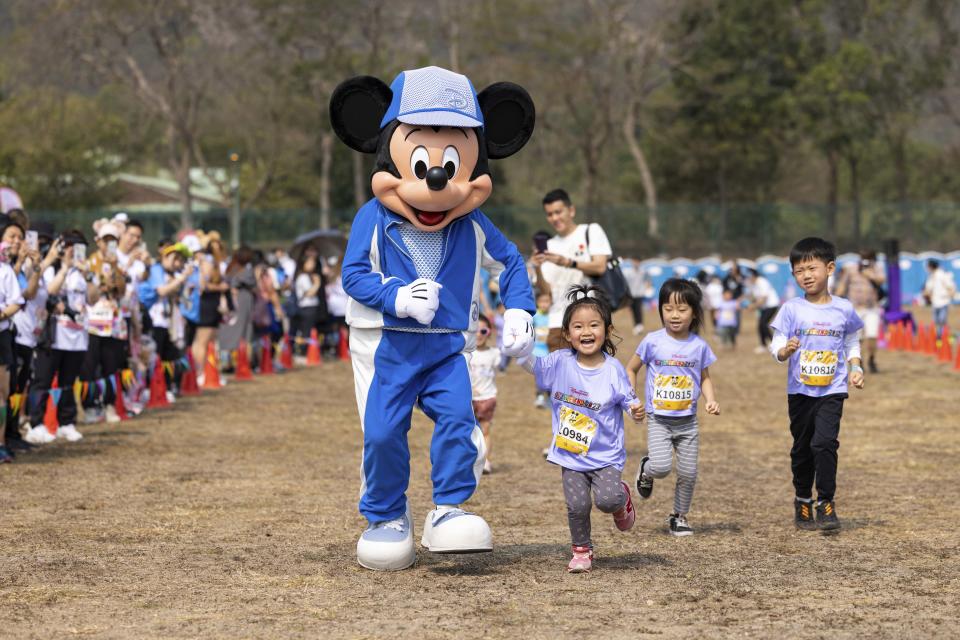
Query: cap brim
[{"x": 440, "y": 119}]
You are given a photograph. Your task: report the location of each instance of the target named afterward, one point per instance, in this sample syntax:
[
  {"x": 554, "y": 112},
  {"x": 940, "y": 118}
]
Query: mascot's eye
[
  {"x": 419, "y": 161},
  {"x": 451, "y": 161}
]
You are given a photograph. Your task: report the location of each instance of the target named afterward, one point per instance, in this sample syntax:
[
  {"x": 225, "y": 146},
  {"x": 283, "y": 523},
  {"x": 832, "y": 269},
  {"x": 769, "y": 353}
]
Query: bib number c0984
[
  {"x": 817, "y": 368},
  {"x": 575, "y": 432}
]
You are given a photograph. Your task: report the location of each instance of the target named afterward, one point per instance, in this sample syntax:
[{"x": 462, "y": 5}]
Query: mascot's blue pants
[{"x": 393, "y": 370}]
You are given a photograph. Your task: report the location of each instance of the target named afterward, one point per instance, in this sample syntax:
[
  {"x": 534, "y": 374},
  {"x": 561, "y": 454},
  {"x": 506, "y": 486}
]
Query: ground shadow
[
  {"x": 632, "y": 561},
  {"x": 513, "y": 554}
]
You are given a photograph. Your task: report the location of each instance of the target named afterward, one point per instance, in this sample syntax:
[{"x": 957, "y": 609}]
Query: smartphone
[
  {"x": 79, "y": 252},
  {"x": 112, "y": 249},
  {"x": 33, "y": 240},
  {"x": 540, "y": 242}
]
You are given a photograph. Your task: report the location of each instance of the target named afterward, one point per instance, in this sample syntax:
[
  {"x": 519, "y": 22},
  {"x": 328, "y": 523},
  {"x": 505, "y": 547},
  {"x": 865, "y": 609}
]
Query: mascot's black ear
[
  {"x": 508, "y": 117},
  {"x": 356, "y": 108}
]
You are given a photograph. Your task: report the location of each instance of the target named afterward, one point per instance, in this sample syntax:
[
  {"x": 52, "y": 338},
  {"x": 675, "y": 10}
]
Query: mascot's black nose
[{"x": 436, "y": 178}]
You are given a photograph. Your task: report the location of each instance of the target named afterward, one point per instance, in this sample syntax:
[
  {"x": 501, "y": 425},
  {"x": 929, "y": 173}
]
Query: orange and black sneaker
[
  {"x": 827, "y": 519},
  {"x": 803, "y": 514}
]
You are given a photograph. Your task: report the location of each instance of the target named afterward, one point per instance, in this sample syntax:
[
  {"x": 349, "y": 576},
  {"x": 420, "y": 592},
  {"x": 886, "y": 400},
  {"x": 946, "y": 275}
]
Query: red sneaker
[
  {"x": 582, "y": 560},
  {"x": 625, "y": 518}
]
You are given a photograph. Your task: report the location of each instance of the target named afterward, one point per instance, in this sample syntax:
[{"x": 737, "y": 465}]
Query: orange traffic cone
[
  {"x": 896, "y": 336},
  {"x": 50, "y": 415},
  {"x": 188, "y": 383},
  {"x": 286, "y": 353},
  {"x": 211, "y": 369},
  {"x": 118, "y": 404},
  {"x": 158, "y": 388},
  {"x": 914, "y": 339},
  {"x": 931, "y": 349},
  {"x": 956, "y": 365},
  {"x": 244, "y": 372},
  {"x": 343, "y": 346},
  {"x": 313, "y": 350},
  {"x": 946, "y": 353},
  {"x": 266, "y": 357}
]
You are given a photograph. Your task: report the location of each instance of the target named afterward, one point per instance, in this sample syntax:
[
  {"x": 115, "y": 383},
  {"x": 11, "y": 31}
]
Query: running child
[
  {"x": 819, "y": 335},
  {"x": 483, "y": 369},
  {"x": 678, "y": 369},
  {"x": 727, "y": 321},
  {"x": 541, "y": 329},
  {"x": 590, "y": 391}
]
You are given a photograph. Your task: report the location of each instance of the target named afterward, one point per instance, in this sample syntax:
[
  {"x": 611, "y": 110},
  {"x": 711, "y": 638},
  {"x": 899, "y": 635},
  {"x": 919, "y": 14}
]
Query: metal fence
[{"x": 746, "y": 230}]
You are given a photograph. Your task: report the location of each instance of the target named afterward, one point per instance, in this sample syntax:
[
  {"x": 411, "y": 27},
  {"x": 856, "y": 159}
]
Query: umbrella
[{"x": 326, "y": 242}]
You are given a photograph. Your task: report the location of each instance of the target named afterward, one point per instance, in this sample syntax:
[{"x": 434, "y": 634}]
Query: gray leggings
[
  {"x": 607, "y": 493},
  {"x": 664, "y": 435}
]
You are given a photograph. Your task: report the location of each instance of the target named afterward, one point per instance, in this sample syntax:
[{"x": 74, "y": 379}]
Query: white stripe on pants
[{"x": 665, "y": 435}]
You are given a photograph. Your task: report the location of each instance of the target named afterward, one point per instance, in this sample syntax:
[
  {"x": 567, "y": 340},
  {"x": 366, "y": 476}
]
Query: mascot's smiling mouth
[{"x": 430, "y": 218}]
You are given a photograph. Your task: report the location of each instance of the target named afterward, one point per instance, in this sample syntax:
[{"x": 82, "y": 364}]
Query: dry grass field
[{"x": 234, "y": 515}]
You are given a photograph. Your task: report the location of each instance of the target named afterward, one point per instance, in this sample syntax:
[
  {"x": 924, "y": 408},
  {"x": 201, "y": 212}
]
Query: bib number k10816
[{"x": 817, "y": 368}]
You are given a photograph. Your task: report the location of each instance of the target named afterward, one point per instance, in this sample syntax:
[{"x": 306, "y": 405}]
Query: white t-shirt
[
  {"x": 9, "y": 291},
  {"x": 303, "y": 284},
  {"x": 714, "y": 293},
  {"x": 483, "y": 370},
  {"x": 31, "y": 318},
  {"x": 764, "y": 293},
  {"x": 336, "y": 298},
  {"x": 560, "y": 279},
  {"x": 71, "y": 333},
  {"x": 940, "y": 287}
]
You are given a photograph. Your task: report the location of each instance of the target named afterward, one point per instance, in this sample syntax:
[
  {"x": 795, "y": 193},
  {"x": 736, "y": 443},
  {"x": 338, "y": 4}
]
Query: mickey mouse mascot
[{"x": 412, "y": 271}]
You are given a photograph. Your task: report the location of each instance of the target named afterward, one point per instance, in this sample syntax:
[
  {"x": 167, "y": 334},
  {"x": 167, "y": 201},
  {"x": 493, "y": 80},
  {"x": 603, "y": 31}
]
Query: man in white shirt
[
  {"x": 577, "y": 252},
  {"x": 939, "y": 291}
]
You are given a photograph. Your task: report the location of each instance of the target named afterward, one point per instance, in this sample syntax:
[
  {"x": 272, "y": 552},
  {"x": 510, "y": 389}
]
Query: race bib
[
  {"x": 576, "y": 431},
  {"x": 100, "y": 319},
  {"x": 817, "y": 368},
  {"x": 672, "y": 393}
]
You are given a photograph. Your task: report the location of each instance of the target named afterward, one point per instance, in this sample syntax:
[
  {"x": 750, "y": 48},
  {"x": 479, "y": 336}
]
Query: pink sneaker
[
  {"x": 625, "y": 518},
  {"x": 582, "y": 560}
]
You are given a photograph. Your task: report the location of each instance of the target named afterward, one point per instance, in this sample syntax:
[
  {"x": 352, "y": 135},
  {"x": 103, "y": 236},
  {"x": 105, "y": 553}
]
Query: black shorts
[
  {"x": 6, "y": 349},
  {"x": 209, "y": 310}
]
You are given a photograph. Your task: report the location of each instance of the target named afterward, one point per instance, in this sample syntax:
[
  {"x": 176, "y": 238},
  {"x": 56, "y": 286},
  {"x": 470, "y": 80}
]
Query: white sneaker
[
  {"x": 110, "y": 412},
  {"x": 637, "y": 329},
  {"x": 487, "y": 467},
  {"x": 39, "y": 435},
  {"x": 200, "y": 380},
  {"x": 92, "y": 416},
  {"x": 450, "y": 529},
  {"x": 69, "y": 433},
  {"x": 387, "y": 546},
  {"x": 171, "y": 398},
  {"x": 540, "y": 402},
  {"x": 759, "y": 349}
]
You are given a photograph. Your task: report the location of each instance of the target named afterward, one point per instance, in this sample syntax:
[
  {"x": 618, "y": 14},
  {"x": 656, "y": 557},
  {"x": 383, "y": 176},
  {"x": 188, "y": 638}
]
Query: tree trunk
[
  {"x": 902, "y": 179},
  {"x": 721, "y": 235},
  {"x": 179, "y": 159},
  {"x": 833, "y": 182},
  {"x": 326, "y": 159},
  {"x": 359, "y": 181},
  {"x": 646, "y": 178},
  {"x": 853, "y": 163}
]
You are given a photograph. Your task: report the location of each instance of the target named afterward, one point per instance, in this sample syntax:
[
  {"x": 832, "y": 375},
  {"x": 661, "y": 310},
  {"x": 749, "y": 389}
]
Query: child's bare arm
[
  {"x": 706, "y": 387},
  {"x": 633, "y": 367}
]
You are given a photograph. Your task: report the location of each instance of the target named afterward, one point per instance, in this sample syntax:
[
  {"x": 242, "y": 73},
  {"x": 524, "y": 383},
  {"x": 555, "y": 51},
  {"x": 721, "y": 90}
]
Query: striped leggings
[{"x": 664, "y": 435}]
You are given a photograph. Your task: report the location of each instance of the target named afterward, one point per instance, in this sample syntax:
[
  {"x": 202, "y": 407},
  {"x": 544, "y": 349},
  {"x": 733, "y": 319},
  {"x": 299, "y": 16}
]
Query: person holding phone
[
  {"x": 11, "y": 299},
  {"x": 568, "y": 258}
]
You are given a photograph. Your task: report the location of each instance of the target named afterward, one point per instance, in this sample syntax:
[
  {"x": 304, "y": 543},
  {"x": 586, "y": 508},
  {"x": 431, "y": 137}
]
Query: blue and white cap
[{"x": 433, "y": 97}]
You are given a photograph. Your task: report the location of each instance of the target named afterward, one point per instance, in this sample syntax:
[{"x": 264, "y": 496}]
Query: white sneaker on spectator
[
  {"x": 110, "y": 412},
  {"x": 759, "y": 349},
  {"x": 39, "y": 435},
  {"x": 92, "y": 416},
  {"x": 171, "y": 398},
  {"x": 69, "y": 433},
  {"x": 637, "y": 329}
]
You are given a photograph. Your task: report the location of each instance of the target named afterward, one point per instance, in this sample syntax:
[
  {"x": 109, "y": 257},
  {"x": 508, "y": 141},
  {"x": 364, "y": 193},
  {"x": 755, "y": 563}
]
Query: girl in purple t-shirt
[
  {"x": 589, "y": 392},
  {"x": 678, "y": 362}
]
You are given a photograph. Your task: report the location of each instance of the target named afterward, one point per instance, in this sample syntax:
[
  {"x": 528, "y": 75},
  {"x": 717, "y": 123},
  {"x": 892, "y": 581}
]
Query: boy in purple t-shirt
[{"x": 819, "y": 335}]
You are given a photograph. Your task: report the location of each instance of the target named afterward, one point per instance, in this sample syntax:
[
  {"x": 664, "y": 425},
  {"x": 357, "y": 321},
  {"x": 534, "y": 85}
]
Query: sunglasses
[{"x": 483, "y": 331}]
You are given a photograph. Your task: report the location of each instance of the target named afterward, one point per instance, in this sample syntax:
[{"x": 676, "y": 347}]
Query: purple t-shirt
[
  {"x": 674, "y": 369},
  {"x": 727, "y": 314},
  {"x": 819, "y": 366},
  {"x": 588, "y": 406}
]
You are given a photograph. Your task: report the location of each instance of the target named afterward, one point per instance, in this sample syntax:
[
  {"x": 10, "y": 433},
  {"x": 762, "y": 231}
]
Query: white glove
[
  {"x": 418, "y": 300},
  {"x": 517, "y": 333}
]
